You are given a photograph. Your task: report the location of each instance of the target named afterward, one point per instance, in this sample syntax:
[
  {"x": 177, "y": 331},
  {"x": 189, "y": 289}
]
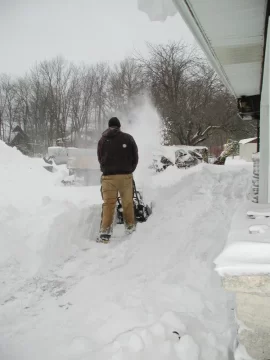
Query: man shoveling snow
[{"x": 118, "y": 158}]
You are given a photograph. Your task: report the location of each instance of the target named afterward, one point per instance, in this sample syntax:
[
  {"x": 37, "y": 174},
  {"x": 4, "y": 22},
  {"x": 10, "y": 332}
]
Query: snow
[
  {"x": 247, "y": 250},
  {"x": 256, "y": 156},
  {"x": 23, "y": 176},
  {"x": 187, "y": 349},
  {"x": 241, "y": 353},
  {"x": 157, "y": 10},
  {"x": 153, "y": 295},
  {"x": 246, "y": 141},
  {"x": 170, "y": 151},
  {"x": 237, "y": 161},
  {"x": 187, "y": 147},
  {"x": 167, "y": 178}
]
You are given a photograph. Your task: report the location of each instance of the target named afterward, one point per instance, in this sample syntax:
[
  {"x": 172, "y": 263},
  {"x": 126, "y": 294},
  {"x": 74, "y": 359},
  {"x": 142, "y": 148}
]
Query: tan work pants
[{"x": 110, "y": 186}]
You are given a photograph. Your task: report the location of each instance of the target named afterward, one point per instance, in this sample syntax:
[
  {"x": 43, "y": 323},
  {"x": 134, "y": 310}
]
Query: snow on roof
[
  {"x": 246, "y": 141},
  {"x": 189, "y": 147},
  {"x": 12, "y": 136},
  {"x": 157, "y": 10}
]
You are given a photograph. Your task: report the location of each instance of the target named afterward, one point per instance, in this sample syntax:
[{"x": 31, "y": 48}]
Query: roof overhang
[{"x": 231, "y": 34}]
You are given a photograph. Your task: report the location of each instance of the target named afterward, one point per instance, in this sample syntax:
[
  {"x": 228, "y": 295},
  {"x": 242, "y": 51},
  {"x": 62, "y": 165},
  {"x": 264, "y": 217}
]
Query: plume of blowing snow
[{"x": 144, "y": 124}]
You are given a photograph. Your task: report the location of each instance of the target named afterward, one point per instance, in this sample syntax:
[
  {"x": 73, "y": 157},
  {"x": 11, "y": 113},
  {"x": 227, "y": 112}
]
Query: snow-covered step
[
  {"x": 258, "y": 229},
  {"x": 255, "y": 214}
]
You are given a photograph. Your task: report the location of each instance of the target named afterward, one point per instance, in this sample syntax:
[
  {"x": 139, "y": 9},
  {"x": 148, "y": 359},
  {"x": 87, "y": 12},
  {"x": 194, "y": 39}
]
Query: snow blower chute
[{"x": 142, "y": 211}]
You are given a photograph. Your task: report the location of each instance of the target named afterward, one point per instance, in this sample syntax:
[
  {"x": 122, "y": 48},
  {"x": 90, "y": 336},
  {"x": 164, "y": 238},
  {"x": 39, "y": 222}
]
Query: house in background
[{"x": 248, "y": 147}]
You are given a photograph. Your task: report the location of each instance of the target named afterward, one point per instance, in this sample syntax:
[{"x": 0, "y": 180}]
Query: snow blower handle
[{"x": 135, "y": 191}]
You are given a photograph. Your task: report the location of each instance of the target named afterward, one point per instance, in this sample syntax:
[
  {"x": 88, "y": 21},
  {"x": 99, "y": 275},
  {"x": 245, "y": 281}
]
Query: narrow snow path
[{"x": 125, "y": 299}]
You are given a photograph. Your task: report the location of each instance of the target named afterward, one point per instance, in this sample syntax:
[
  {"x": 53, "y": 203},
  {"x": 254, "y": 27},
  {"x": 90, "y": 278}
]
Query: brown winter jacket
[{"x": 117, "y": 152}]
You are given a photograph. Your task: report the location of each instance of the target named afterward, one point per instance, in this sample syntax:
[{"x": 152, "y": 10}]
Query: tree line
[{"x": 59, "y": 100}]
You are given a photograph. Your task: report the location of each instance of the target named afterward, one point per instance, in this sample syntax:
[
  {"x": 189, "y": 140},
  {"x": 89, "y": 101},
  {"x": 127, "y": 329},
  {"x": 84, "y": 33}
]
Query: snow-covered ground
[{"x": 65, "y": 297}]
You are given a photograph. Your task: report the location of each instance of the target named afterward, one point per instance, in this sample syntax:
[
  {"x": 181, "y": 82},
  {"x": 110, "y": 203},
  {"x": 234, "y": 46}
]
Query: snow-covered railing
[
  {"x": 244, "y": 266},
  {"x": 255, "y": 178}
]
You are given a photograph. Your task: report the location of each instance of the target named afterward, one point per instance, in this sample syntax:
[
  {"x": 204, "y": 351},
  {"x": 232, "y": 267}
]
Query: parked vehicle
[{"x": 84, "y": 165}]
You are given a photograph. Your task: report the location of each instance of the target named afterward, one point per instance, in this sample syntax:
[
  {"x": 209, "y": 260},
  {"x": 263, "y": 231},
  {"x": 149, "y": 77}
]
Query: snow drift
[{"x": 22, "y": 178}]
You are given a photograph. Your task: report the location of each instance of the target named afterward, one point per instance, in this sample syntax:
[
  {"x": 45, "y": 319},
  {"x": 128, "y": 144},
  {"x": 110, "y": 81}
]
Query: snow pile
[
  {"x": 173, "y": 175},
  {"x": 236, "y": 161},
  {"x": 22, "y": 178},
  {"x": 165, "y": 339},
  {"x": 153, "y": 295},
  {"x": 30, "y": 205}
]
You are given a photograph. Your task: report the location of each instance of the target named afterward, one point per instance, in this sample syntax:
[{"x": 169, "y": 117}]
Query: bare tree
[
  {"x": 102, "y": 71},
  {"x": 191, "y": 99},
  {"x": 82, "y": 98},
  {"x": 8, "y": 109},
  {"x": 22, "y": 89},
  {"x": 57, "y": 76},
  {"x": 126, "y": 83},
  {"x": 3, "y": 104},
  {"x": 39, "y": 106},
  {"x": 59, "y": 100}
]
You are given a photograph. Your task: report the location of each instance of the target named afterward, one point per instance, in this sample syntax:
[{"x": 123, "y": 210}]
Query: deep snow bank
[
  {"x": 31, "y": 204},
  {"x": 23, "y": 184},
  {"x": 22, "y": 179}
]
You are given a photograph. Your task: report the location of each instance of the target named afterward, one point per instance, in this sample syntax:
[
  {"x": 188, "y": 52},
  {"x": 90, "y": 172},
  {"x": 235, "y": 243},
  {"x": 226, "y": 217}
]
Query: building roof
[
  {"x": 246, "y": 141},
  {"x": 231, "y": 33}
]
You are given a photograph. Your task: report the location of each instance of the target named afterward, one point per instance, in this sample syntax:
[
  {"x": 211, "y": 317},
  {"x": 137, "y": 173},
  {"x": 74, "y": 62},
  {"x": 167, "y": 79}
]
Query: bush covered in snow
[{"x": 180, "y": 156}]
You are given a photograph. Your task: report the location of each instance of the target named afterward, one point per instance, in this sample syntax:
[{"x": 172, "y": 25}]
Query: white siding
[{"x": 247, "y": 150}]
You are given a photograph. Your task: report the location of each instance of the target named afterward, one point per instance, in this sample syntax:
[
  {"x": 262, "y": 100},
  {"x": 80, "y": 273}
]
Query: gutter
[
  {"x": 267, "y": 14},
  {"x": 185, "y": 9}
]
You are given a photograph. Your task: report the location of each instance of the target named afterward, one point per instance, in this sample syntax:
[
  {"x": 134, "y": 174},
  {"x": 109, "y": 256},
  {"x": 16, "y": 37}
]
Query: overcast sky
[{"x": 80, "y": 30}]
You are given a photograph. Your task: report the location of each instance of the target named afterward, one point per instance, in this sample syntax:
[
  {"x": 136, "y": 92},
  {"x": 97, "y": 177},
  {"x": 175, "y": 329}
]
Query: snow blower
[{"x": 142, "y": 211}]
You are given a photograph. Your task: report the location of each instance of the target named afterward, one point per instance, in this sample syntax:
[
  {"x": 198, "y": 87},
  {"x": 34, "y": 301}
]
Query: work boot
[
  {"x": 130, "y": 229},
  {"x": 105, "y": 235},
  {"x": 104, "y": 238}
]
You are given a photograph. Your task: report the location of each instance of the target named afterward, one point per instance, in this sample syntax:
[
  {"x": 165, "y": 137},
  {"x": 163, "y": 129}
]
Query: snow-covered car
[{"x": 58, "y": 153}]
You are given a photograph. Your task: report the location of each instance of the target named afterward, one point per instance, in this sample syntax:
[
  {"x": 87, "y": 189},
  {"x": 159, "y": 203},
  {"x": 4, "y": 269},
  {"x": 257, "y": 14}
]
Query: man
[{"x": 118, "y": 158}]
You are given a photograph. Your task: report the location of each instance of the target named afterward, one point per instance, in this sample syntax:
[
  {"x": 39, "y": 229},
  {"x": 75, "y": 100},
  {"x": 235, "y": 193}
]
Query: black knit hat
[{"x": 114, "y": 122}]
